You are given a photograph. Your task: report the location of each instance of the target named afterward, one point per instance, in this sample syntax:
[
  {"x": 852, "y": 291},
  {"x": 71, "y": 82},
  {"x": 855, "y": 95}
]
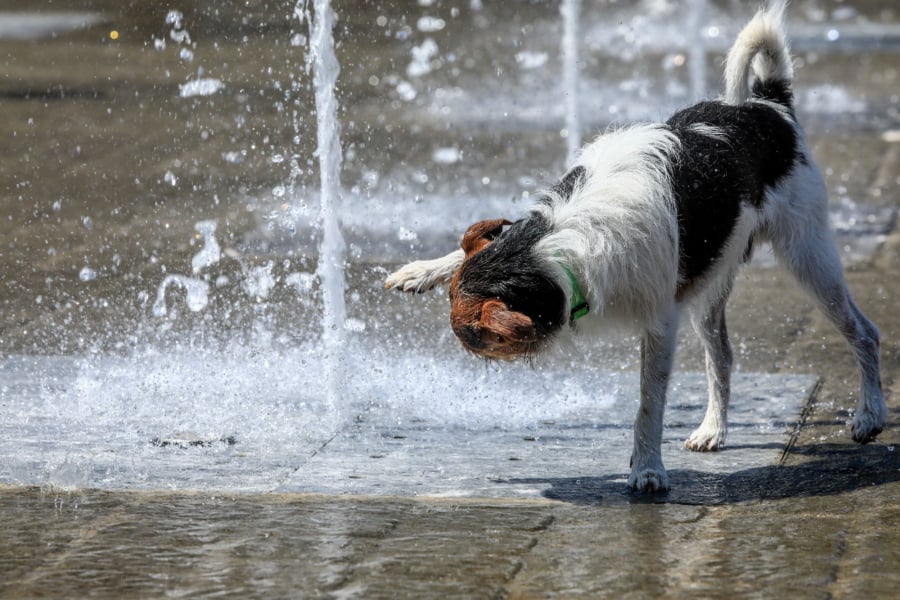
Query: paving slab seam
[
  {"x": 540, "y": 529},
  {"x": 281, "y": 480},
  {"x": 801, "y": 421}
]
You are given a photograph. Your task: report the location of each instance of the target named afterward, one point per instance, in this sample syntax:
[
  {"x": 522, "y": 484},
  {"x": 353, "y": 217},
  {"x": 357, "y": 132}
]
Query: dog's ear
[
  {"x": 501, "y": 325},
  {"x": 481, "y": 234}
]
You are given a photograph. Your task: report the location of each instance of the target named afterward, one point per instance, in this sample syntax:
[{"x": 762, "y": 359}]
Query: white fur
[
  {"x": 618, "y": 230},
  {"x": 422, "y": 275},
  {"x": 797, "y": 227},
  {"x": 712, "y": 131}
]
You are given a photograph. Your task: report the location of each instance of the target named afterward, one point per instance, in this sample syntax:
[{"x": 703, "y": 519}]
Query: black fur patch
[
  {"x": 566, "y": 185},
  {"x": 508, "y": 269},
  {"x": 775, "y": 90},
  {"x": 711, "y": 178}
]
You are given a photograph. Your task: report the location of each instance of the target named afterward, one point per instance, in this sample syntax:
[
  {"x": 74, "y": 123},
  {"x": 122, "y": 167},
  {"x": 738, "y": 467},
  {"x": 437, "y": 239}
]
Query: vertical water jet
[
  {"x": 571, "y": 13},
  {"x": 325, "y": 68},
  {"x": 697, "y": 49}
]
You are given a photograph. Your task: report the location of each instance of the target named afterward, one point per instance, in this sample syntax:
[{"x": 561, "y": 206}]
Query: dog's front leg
[
  {"x": 422, "y": 275},
  {"x": 657, "y": 349}
]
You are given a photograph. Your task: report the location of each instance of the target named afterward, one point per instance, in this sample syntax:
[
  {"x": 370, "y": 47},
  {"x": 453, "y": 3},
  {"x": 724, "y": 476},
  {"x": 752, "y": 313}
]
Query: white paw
[
  {"x": 414, "y": 277},
  {"x": 706, "y": 439},
  {"x": 648, "y": 481},
  {"x": 868, "y": 423}
]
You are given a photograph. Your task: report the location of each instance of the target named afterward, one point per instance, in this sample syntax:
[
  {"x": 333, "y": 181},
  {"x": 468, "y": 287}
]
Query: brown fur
[{"x": 486, "y": 326}]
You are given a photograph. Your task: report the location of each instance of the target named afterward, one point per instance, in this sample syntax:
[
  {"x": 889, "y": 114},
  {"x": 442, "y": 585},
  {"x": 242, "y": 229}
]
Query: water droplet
[
  {"x": 354, "y": 325},
  {"x": 206, "y": 86},
  {"x": 430, "y": 24},
  {"x": 211, "y": 252},
  {"x": 407, "y": 235},
  {"x": 406, "y": 91},
  {"x": 197, "y": 294},
  {"x": 173, "y": 17},
  {"x": 447, "y": 156}
]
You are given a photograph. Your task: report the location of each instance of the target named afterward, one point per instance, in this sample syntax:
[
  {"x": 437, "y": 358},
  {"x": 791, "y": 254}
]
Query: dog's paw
[
  {"x": 414, "y": 277},
  {"x": 868, "y": 423},
  {"x": 706, "y": 439},
  {"x": 648, "y": 481}
]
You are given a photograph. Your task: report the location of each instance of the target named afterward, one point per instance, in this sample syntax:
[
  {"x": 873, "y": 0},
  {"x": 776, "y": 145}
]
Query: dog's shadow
[{"x": 821, "y": 470}]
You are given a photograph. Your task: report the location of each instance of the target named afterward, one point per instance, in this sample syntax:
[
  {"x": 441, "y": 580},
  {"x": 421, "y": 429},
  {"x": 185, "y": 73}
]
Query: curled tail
[{"x": 761, "y": 48}]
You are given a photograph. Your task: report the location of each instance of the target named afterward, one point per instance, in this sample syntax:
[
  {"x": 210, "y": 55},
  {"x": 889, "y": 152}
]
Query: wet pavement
[
  {"x": 167, "y": 437},
  {"x": 62, "y": 431}
]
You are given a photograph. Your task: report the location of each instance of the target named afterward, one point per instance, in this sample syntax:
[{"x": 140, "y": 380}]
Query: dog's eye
[{"x": 490, "y": 337}]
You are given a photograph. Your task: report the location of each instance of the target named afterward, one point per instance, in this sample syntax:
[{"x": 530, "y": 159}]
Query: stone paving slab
[
  {"x": 424, "y": 459},
  {"x": 67, "y": 423}
]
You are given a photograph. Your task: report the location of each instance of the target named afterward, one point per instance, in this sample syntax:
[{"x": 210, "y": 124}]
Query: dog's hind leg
[
  {"x": 708, "y": 319},
  {"x": 657, "y": 350},
  {"x": 807, "y": 249}
]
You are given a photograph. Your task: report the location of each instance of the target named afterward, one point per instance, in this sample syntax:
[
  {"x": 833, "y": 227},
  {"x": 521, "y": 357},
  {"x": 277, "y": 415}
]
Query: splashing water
[
  {"x": 211, "y": 252},
  {"x": 196, "y": 294}
]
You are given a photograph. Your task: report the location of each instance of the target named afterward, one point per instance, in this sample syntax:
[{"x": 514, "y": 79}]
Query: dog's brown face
[{"x": 486, "y": 326}]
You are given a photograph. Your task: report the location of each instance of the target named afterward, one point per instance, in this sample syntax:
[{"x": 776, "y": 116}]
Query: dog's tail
[{"x": 761, "y": 48}]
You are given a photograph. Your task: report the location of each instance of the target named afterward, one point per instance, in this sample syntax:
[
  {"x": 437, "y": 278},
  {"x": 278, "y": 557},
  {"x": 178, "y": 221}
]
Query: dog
[{"x": 651, "y": 223}]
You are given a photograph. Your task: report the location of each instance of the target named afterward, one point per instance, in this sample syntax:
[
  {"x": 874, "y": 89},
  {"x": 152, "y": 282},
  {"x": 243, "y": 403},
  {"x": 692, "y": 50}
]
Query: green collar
[{"x": 579, "y": 306}]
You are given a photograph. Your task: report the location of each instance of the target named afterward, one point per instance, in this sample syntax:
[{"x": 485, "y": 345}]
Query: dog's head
[{"x": 502, "y": 305}]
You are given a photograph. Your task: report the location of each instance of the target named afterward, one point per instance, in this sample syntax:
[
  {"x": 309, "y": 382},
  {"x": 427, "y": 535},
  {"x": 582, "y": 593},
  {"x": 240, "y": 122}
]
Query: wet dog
[{"x": 652, "y": 222}]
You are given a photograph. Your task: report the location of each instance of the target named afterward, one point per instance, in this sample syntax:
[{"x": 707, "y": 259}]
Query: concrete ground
[{"x": 105, "y": 167}]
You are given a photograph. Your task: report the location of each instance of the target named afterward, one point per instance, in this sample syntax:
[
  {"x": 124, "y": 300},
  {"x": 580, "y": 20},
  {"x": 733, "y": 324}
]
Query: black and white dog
[{"x": 652, "y": 221}]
